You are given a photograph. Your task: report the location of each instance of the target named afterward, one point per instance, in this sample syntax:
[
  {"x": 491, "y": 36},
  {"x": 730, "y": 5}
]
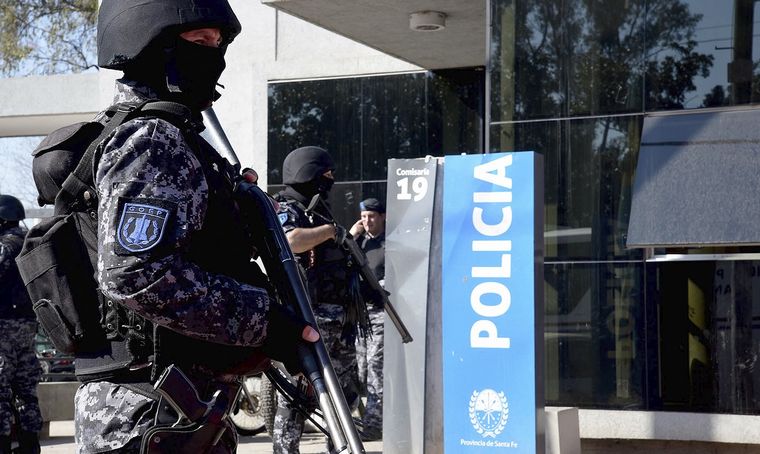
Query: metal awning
[
  {"x": 385, "y": 25},
  {"x": 697, "y": 180}
]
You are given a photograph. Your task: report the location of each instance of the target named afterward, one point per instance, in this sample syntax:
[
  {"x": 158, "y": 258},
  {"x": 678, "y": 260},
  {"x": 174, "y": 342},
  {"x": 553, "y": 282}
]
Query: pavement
[{"x": 61, "y": 441}]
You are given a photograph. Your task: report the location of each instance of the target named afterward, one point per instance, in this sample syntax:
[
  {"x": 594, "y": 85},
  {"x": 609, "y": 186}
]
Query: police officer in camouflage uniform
[
  {"x": 308, "y": 171},
  {"x": 173, "y": 262},
  {"x": 19, "y": 367},
  {"x": 369, "y": 233}
]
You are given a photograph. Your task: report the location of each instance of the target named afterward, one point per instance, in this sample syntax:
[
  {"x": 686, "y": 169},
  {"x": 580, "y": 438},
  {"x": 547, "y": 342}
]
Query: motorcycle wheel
[{"x": 246, "y": 415}]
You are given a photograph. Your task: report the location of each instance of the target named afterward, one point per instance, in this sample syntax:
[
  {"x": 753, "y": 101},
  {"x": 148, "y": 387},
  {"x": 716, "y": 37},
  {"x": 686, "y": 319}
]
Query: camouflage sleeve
[
  {"x": 290, "y": 217},
  {"x": 152, "y": 198}
]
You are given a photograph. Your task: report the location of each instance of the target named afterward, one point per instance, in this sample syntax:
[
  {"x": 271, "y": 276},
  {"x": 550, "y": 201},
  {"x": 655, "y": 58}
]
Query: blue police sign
[{"x": 492, "y": 303}]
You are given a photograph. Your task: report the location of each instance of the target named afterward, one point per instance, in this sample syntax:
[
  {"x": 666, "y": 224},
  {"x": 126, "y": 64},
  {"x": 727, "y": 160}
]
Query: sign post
[
  {"x": 492, "y": 303},
  {"x": 409, "y": 257}
]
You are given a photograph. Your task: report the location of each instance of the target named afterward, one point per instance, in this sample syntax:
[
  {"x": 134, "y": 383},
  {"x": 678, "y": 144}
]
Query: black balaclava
[
  {"x": 320, "y": 185},
  {"x": 180, "y": 71},
  {"x": 192, "y": 72}
]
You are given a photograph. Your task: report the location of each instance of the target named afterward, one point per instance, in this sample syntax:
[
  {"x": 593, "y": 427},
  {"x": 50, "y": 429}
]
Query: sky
[{"x": 16, "y": 169}]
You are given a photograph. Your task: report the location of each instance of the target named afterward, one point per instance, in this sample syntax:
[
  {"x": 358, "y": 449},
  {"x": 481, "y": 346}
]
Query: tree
[{"x": 40, "y": 37}]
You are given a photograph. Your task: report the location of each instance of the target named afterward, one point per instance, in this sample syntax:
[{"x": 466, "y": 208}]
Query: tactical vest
[
  {"x": 220, "y": 247},
  {"x": 14, "y": 301},
  {"x": 328, "y": 271},
  {"x": 132, "y": 349}
]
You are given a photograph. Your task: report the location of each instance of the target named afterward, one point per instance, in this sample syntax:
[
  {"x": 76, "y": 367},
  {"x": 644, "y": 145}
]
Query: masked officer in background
[
  {"x": 333, "y": 286},
  {"x": 181, "y": 290},
  {"x": 369, "y": 233},
  {"x": 19, "y": 367}
]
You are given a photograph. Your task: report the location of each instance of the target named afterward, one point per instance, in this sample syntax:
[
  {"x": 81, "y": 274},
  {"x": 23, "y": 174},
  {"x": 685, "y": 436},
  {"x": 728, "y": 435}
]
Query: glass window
[
  {"x": 553, "y": 59},
  {"x": 365, "y": 121},
  {"x": 708, "y": 338},
  {"x": 455, "y": 111},
  {"x": 394, "y": 117},
  {"x": 684, "y": 42},
  {"x": 594, "y": 342},
  {"x": 325, "y": 113},
  {"x": 527, "y": 81},
  {"x": 601, "y": 55},
  {"x": 566, "y": 58},
  {"x": 588, "y": 177},
  {"x": 621, "y": 332},
  {"x": 702, "y": 53}
]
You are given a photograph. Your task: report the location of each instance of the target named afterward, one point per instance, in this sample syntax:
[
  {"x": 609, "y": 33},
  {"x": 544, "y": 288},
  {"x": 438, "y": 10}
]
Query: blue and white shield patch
[
  {"x": 283, "y": 218},
  {"x": 141, "y": 226}
]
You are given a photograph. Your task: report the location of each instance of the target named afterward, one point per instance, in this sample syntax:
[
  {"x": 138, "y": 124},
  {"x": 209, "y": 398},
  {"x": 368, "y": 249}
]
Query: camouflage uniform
[
  {"x": 370, "y": 349},
  {"x": 19, "y": 367},
  {"x": 288, "y": 424},
  {"x": 147, "y": 164}
]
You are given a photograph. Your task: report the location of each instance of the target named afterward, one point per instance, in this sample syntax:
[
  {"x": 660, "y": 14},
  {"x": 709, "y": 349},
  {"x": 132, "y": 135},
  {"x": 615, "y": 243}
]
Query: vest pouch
[{"x": 58, "y": 273}]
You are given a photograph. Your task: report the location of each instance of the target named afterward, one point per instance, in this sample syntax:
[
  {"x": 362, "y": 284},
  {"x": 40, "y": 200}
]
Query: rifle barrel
[{"x": 279, "y": 263}]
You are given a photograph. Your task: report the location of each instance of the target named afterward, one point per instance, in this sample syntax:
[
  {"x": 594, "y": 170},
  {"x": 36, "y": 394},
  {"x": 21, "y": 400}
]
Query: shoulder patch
[
  {"x": 283, "y": 218},
  {"x": 142, "y": 224}
]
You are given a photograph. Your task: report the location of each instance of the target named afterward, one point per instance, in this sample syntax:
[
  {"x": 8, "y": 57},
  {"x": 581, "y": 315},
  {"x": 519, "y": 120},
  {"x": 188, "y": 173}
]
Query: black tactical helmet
[
  {"x": 127, "y": 27},
  {"x": 11, "y": 208},
  {"x": 305, "y": 164}
]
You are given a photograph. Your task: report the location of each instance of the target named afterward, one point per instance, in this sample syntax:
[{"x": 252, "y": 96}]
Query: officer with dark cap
[
  {"x": 172, "y": 263},
  {"x": 369, "y": 233},
  {"x": 19, "y": 367},
  {"x": 333, "y": 286}
]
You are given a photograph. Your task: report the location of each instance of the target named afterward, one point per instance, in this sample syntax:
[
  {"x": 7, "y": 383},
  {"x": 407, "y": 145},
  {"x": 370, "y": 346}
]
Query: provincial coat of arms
[
  {"x": 141, "y": 226},
  {"x": 489, "y": 412}
]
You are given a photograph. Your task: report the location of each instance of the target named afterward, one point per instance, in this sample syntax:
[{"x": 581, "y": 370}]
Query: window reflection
[
  {"x": 325, "y": 113},
  {"x": 708, "y": 335},
  {"x": 573, "y": 58},
  {"x": 610, "y": 63},
  {"x": 593, "y": 335},
  {"x": 588, "y": 176},
  {"x": 365, "y": 121}
]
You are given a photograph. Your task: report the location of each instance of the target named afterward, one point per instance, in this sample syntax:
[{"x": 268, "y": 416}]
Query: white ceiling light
[{"x": 427, "y": 21}]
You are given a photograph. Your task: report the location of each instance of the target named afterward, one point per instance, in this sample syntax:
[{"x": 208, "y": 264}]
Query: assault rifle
[
  {"x": 273, "y": 249},
  {"x": 360, "y": 259}
]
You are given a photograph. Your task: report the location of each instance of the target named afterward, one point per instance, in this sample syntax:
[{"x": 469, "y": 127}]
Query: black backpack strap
[
  {"x": 76, "y": 184},
  {"x": 175, "y": 113},
  {"x": 81, "y": 180}
]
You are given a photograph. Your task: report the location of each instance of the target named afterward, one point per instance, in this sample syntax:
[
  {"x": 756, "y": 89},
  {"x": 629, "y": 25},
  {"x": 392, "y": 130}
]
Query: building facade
[{"x": 654, "y": 341}]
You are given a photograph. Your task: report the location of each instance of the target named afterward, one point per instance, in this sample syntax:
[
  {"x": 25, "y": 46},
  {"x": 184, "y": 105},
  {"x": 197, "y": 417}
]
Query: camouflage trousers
[
  {"x": 288, "y": 424},
  {"x": 369, "y": 358},
  {"x": 20, "y": 372}
]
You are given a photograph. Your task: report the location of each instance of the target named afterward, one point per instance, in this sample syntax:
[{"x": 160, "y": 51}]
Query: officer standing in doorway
[
  {"x": 19, "y": 367},
  {"x": 369, "y": 233},
  {"x": 180, "y": 288},
  {"x": 333, "y": 286}
]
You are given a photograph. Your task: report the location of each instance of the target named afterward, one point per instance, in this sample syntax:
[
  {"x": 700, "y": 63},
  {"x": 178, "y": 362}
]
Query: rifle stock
[{"x": 283, "y": 272}]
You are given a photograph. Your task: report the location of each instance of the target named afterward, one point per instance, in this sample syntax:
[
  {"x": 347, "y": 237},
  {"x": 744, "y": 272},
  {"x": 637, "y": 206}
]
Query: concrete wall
[
  {"x": 276, "y": 47},
  {"x": 56, "y": 402},
  {"x": 272, "y": 47},
  {"x": 600, "y": 427}
]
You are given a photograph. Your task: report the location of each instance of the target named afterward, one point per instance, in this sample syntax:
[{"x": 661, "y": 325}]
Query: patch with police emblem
[
  {"x": 283, "y": 218},
  {"x": 142, "y": 224}
]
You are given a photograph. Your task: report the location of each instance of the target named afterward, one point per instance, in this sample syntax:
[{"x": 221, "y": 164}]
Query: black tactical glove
[
  {"x": 284, "y": 334},
  {"x": 340, "y": 234}
]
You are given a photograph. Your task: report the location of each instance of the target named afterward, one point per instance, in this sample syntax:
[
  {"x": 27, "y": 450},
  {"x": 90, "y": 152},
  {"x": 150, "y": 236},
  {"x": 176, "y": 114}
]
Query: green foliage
[{"x": 47, "y": 36}]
